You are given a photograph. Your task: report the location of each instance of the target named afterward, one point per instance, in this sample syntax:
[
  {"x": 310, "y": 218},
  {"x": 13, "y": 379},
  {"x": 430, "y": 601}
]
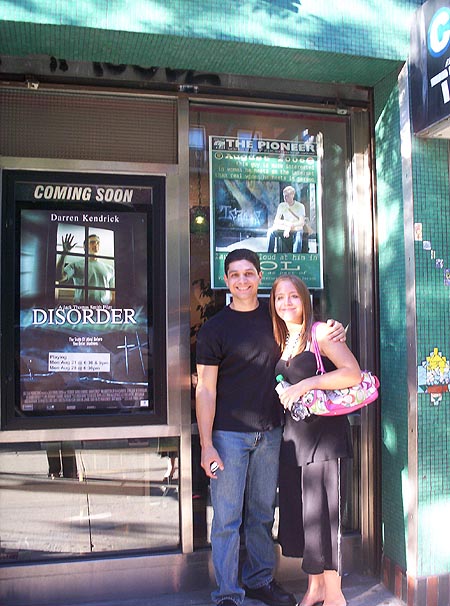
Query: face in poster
[
  {"x": 85, "y": 341},
  {"x": 265, "y": 196}
]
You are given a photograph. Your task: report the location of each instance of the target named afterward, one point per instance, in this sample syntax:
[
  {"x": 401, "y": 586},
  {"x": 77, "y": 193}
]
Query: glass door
[{"x": 241, "y": 160}]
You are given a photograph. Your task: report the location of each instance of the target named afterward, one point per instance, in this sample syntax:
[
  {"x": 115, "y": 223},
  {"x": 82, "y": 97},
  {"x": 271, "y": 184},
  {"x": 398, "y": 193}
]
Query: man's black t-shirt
[{"x": 241, "y": 344}]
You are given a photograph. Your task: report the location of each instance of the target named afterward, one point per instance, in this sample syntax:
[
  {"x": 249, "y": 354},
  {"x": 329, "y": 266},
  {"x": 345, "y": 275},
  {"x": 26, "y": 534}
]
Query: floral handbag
[{"x": 333, "y": 402}]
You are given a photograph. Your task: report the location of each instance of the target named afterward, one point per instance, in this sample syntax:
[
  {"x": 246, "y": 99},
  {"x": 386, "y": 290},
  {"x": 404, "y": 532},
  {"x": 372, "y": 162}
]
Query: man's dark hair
[{"x": 242, "y": 254}]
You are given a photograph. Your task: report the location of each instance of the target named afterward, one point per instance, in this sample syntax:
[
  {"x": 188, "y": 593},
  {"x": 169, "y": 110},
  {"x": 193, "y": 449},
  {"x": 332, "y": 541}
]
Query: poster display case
[{"x": 83, "y": 269}]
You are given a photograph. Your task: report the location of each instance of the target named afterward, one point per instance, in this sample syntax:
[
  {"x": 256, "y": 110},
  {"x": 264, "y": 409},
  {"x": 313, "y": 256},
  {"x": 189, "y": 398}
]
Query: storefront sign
[
  {"x": 251, "y": 207},
  {"x": 429, "y": 67}
]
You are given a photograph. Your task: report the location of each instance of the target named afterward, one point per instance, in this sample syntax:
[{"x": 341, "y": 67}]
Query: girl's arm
[{"x": 347, "y": 373}]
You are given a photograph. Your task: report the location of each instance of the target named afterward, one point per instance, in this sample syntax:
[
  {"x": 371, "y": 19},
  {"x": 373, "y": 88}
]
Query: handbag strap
[{"x": 315, "y": 345}]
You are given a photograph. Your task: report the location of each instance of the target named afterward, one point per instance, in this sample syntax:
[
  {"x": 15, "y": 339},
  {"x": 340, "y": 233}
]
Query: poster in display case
[
  {"x": 83, "y": 255},
  {"x": 266, "y": 196}
]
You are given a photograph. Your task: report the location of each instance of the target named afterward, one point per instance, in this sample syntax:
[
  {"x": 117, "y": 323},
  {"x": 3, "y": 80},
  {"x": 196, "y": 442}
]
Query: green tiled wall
[
  {"x": 431, "y": 210},
  {"x": 392, "y": 319},
  {"x": 361, "y": 27},
  {"x": 352, "y": 42},
  {"x": 432, "y": 259}
]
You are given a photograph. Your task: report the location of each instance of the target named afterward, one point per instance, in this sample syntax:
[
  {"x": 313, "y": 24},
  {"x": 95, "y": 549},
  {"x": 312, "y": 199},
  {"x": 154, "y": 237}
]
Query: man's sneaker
[{"x": 271, "y": 594}]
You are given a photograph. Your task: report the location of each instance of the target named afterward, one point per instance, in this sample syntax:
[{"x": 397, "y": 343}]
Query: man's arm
[
  {"x": 205, "y": 405},
  {"x": 336, "y": 331},
  {"x": 298, "y": 217},
  {"x": 278, "y": 222}
]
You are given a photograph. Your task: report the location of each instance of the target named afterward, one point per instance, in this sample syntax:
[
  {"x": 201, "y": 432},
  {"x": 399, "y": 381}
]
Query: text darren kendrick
[{"x": 85, "y": 218}]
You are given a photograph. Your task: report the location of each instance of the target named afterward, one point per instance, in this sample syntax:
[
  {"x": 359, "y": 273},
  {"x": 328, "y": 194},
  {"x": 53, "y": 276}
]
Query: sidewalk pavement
[{"x": 359, "y": 590}]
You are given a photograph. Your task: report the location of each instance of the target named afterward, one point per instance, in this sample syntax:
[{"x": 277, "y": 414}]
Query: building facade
[{"x": 112, "y": 118}]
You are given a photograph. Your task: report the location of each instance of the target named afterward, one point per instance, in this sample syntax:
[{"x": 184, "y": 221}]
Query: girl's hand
[{"x": 293, "y": 393}]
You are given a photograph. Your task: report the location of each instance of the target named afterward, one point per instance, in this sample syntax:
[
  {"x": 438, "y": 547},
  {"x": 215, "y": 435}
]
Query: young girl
[{"x": 311, "y": 449}]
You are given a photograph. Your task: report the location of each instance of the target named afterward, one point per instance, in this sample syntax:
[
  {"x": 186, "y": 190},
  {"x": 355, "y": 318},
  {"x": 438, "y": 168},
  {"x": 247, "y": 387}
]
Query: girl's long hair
[{"x": 280, "y": 330}]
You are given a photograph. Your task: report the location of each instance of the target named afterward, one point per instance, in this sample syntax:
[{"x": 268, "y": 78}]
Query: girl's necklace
[{"x": 291, "y": 346}]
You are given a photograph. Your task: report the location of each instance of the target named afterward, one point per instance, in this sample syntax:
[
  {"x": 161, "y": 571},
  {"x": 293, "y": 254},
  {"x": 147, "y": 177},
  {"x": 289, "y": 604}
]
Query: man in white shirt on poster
[{"x": 288, "y": 224}]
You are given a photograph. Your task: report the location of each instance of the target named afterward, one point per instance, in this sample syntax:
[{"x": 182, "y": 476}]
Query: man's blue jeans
[{"x": 251, "y": 469}]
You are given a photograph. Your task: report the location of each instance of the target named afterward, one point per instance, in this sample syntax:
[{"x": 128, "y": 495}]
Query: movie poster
[
  {"x": 265, "y": 196},
  {"x": 85, "y": 333}
]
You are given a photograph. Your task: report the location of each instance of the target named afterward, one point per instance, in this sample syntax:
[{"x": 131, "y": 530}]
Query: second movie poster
[{"x": 265, "y": 196}]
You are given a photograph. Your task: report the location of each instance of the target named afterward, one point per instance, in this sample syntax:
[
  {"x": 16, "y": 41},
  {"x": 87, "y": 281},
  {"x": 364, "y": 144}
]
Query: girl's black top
[{"x": 317, "y": 438}]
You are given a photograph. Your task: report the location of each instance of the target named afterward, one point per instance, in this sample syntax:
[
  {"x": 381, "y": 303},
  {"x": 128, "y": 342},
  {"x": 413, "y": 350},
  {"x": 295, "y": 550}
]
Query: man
[
  {"x": 288, "y": 224},
  {"x": 239, "y": 420},
  {"x": 99, "y": 273}
]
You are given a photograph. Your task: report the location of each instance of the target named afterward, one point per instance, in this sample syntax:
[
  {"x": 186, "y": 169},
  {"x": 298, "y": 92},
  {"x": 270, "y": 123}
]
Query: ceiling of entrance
[{"x": 288, "y": 40}]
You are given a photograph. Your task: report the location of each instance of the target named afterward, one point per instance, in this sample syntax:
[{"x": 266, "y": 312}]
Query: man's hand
[
  {"x": 209, "y": 456},
  {"x": 336, "y": 332},
  {"x": 68, "y": 243}
]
